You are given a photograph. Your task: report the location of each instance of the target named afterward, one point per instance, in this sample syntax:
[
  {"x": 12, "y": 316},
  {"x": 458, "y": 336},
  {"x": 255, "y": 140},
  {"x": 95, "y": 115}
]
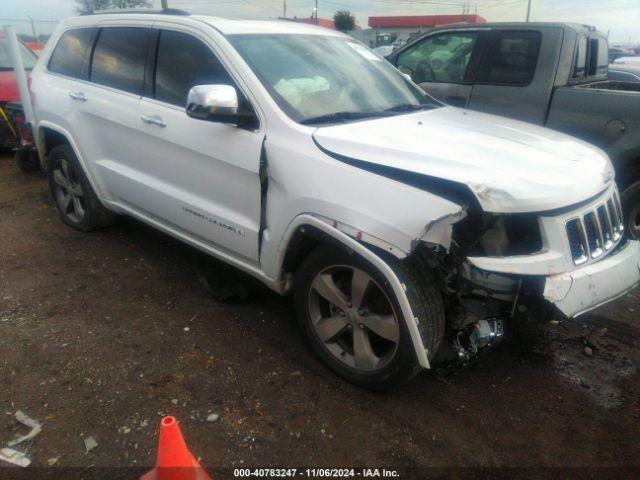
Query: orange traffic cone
[{"x": 175, "y": 461}]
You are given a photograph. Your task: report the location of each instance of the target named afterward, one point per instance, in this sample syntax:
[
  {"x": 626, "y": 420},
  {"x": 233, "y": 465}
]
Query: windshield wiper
[
  {"x": 410, "y": 107},
  {"x": 342, "y": 116}
]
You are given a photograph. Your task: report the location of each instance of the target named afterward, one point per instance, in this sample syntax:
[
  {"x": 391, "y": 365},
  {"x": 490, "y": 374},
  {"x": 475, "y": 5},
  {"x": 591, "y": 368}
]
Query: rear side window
[
  {"x": 580, "y": 62},
  {"x": 183, "y": 62},
  {"x": 72, "y": 53},
  {"x": 119, "y": 58},
  {"x": 512, "y": 59},
  {"x": 598, "y": 56}
]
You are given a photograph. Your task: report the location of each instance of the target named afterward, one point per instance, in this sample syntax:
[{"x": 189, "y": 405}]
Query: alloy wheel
[
  {"x": 353, "y": 318},
  {"x": 68, "y": 191}
]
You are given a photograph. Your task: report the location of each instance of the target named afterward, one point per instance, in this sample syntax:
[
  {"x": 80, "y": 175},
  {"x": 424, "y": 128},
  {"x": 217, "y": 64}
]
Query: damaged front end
[
  {"x": 479, "y": 305},
  {"x": 508, "y": 269}
]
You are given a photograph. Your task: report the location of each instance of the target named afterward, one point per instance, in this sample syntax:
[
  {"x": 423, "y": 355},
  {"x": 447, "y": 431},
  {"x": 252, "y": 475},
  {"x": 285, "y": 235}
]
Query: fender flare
[
  {"x": 72, "y": 143},
  {"x": 399, "y": 289}
]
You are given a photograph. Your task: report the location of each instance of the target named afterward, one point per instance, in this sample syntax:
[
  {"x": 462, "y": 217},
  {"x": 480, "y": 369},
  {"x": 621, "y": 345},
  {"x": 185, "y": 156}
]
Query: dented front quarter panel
[{"x": 375, "y": 209}]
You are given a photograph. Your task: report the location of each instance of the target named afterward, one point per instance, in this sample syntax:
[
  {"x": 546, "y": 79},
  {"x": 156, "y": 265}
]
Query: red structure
[
  {"x": 321, "y": 22},
  {"x": 422, "y": 21}
]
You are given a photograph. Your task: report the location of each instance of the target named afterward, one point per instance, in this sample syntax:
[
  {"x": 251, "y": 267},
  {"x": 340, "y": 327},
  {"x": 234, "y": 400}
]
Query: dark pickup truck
[{"x": 547, "y": 73}]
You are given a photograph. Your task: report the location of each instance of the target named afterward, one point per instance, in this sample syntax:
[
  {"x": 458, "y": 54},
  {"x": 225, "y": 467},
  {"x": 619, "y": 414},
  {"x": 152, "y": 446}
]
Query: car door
[
  {"x": 105, "y": 117},
  {"x": 440, "y": 64},
  {"x": 515, "y": 74},
  {"x": 199, "y": 177}
]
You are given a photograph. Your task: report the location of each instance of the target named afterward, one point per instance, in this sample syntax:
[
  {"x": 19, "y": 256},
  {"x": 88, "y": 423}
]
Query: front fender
[{"x": 351, "y": 243}]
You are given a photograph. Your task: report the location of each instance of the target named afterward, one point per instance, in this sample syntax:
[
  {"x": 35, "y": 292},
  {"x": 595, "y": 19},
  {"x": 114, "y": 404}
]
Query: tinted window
[
  {"x": 72, "y": 53},
  {"x": 183, "y": 62},
  {"x": 439, "y": 58},
  {"x": 512, "y": 59},
  {"x": 119, "y": 58}
]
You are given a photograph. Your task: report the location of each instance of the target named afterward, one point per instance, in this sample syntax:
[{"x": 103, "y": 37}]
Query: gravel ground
[{"x": 102, "y": 334}]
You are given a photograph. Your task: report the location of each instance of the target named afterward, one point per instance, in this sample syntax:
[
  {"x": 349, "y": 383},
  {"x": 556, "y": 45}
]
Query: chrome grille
[{"x": 595, "y": 231}]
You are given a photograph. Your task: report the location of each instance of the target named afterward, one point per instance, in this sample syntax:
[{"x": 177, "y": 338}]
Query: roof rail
[{"x": 155, "y": 11}]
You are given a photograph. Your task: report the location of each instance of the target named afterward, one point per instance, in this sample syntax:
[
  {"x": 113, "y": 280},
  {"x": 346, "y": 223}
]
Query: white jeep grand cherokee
[{"x": 405, "y": 228}]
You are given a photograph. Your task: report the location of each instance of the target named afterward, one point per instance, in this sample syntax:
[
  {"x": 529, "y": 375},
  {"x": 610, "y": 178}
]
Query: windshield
[
  {"x": 317, "y": 79},
  {"x": 28, "y": 57}
]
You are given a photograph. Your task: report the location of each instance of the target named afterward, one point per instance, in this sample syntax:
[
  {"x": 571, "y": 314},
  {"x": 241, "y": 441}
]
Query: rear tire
[
  {"x": 72, "y": 194},
  {"x": 353, "y": 320},
  {"x": 630, "y": 200}
]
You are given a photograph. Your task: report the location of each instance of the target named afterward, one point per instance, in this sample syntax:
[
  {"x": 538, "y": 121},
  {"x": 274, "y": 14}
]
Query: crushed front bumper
[{"x": 588, "y": 287}]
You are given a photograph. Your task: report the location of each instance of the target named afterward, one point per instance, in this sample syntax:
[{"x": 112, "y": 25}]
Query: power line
[{"x": 4, "y": 19}]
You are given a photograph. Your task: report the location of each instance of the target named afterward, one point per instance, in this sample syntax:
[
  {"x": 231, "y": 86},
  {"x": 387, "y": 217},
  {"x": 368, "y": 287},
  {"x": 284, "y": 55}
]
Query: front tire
[
  {"x": 353, "y": 320},
  {"x": 630, "y": 200},
  {"x": 72, "y": 194}
]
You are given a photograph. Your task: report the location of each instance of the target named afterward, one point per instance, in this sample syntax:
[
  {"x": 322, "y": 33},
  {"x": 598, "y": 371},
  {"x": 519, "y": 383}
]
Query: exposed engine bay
[{"x": 479, "y": 305}]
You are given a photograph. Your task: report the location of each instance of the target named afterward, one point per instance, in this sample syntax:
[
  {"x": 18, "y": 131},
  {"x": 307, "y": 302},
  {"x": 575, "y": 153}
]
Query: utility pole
[
  {"x": 164, "y": 4},
  {"x": 284, "y": 8},
  {"x": 316, "y": 10},
  {"x": 528, "y": 10},
  {"x": 33, "y": 27}
]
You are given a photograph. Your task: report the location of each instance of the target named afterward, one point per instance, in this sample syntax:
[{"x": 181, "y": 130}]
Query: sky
[{"x": 620, "y": 17}]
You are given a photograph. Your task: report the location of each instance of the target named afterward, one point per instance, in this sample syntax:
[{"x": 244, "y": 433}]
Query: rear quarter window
[
  {"x": 119, "y": 58},
  {"x": 72, "y": 53}
]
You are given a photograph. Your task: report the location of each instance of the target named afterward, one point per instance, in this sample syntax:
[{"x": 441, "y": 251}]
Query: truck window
[
  {"x": 183, "y": 62},
  {"x": 512, "y": 59},
  {"x": 580, "y": 62},
  {"x": 598, "y": 56},
  {"x": 71, "y": 55},
  {"x": 119, "y": 58},
  {"x": 439, "y": 58}
]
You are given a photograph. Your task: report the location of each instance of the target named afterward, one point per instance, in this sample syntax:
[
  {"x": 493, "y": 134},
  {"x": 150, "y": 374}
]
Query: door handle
[
  {"x": 154, "y": 120},
  {"x": 78, "y": 96}
]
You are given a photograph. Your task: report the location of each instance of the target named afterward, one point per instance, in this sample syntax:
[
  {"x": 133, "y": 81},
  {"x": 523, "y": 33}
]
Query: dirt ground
[{"x": 102, "y": 334}]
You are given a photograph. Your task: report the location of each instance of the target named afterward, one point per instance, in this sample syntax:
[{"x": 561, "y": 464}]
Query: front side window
[
  {"x": 511, "y": 59},
  {"x": 119, "y": 58},
  {"x": 316, "y": 78},
  {"x": 183, "y": 62},
  {"x": 439, "y": 58},
  {"x": 72, "y": 53}
]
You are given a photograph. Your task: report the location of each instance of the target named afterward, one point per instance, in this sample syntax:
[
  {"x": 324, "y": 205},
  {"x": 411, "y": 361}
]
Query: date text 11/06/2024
[{"x": 316, "y": 472}]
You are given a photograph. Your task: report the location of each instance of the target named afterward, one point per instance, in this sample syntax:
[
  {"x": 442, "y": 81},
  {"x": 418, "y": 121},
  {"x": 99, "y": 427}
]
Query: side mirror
[{"x": 216, "y": 103}]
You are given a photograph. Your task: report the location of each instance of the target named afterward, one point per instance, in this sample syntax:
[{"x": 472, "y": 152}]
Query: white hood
[{"x": 510, "y": 166}]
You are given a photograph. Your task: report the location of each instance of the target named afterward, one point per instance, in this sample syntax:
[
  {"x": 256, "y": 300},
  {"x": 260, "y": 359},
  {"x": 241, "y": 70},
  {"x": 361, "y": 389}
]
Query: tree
[
  {"x": 90, "y": 6},
  {"x": 345, "y": 20}
]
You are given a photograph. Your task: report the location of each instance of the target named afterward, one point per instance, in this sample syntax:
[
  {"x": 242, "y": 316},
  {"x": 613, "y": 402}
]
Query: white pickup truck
[{"x": 403, "y": 227}]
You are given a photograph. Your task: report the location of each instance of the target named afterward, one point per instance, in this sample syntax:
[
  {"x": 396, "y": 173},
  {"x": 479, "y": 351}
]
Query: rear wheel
[
  {"x": 72, "y": 194},
  {"x": 353, "y": 320},
  {"x": 630, "y": 199}
]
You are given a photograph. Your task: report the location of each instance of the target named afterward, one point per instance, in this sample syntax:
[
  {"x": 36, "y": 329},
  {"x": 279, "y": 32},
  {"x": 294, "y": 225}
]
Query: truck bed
[
  {"x": 613, "y": 85},
  {"x": 605, "y": 113}
]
